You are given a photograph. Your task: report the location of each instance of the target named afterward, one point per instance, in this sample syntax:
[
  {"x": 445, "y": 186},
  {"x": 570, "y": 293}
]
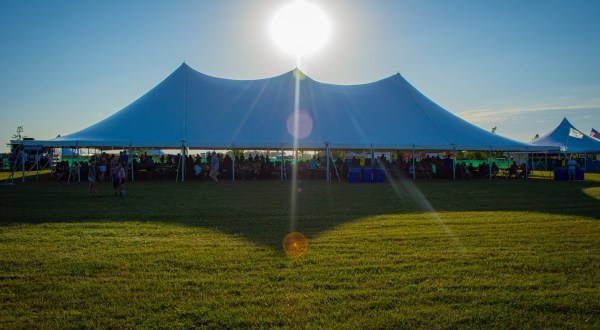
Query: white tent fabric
[
  {"x": 195, "y": 110},
  {"x": 569, "y": 139}
]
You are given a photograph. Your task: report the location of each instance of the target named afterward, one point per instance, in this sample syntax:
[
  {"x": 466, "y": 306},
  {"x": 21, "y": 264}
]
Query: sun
[{"x": 300, "y": 28}]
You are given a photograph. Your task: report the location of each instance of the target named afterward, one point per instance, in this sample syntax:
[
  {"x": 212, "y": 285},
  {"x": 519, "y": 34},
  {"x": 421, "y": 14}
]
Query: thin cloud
[{"x": 483, "y": 115}]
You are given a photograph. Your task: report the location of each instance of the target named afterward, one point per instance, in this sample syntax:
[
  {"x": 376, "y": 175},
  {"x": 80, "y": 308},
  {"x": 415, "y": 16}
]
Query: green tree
[{"x": 19, "y": 134}]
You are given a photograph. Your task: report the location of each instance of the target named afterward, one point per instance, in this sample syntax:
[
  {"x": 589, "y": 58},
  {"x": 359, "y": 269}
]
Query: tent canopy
[
  {"x": 195, "y": 110},
  {"x": 567, "y": 138}
]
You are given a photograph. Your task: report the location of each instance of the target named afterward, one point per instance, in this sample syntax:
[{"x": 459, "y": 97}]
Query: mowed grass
[{"x": 435, "y": 254}]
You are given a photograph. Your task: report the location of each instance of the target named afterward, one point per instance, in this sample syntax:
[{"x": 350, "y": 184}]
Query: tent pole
[
  {"x": 78, "y": 167},
  {"x": 233, "y": 163},
  {"x": 546, "y": 164},
  {"x": 132, "y": 159},
  {"x": 526, "y": 165},
  {"x": 88, "y": 153},
  {"x": 454, "y": 163},
  {"x": 51, "y": 160},
  {"x": 509, "y": 164},
  {"x": 70, "y": 167},
  {"x": 490, "y": 163},
  {"x": 337, "y": 173},
  {"x": 183, "y": 160},
  {"x": 23, "y": 158},
  {"x": 373, "y": 155},
  {"x": 413, "y": 164},
  {"x": 327, "y": 162},
  {"x": 178, "y": 170},
  {"x": 295, "y": 167},
  {"x": 37, "y": 166}
]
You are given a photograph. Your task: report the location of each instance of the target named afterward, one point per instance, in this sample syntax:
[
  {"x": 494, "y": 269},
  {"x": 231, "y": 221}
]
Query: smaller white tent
[{"x": 569, "y": 139}]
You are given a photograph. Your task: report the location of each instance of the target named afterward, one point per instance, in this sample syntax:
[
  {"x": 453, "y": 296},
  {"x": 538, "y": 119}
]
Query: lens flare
[
  {"x": 299, "y": 124},
  {"x": 295, "y": 245}
]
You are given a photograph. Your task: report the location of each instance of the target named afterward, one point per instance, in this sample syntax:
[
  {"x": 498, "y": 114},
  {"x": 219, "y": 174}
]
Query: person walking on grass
[
  {"x": 115, "y": 176},
  {"x": 92, "y": 178},
  {"x": 571, "y": 168},
  {"x": 122, "y": 179},
  {"x": 214, "y": 167}
]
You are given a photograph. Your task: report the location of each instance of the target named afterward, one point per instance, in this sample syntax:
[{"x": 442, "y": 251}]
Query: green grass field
[{"x": 435, "y": 254}]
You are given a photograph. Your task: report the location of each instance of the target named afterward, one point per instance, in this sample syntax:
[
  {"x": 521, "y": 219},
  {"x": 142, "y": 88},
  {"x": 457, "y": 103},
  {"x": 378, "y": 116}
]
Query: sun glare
[{"x": 300, "y": 28}]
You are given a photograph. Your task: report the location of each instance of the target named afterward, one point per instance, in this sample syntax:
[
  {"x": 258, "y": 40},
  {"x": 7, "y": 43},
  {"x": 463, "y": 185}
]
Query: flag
[
  {"x": 575, "y": 133},
  {"x": 595, "y": 133}
]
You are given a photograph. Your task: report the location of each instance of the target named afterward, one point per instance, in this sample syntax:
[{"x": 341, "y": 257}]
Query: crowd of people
[
  {"x": 115, "y": 168},
  {"x": 101, "y": 168},
  {"x": 259, "y": 167}
]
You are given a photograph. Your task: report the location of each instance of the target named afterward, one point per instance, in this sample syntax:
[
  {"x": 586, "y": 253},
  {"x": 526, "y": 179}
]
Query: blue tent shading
[{"x": 195, "y": 110}]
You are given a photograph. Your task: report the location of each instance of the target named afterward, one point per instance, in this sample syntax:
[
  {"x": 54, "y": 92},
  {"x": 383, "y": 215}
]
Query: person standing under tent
[
  {"x": 74, "y": 171},
  {"x": 92, "y": 178},
  {"x": 571, "y": 166},
  {"x": 513, "y": 169},
  {"x": 122, "y": 179},
  {"x": 115, "y": 176},
  {"x": 214, "y": 167},
  {"x": 102, "y": 168},
  {"x": 312, "y": 167},
  {"x": 124, "y": 158}
]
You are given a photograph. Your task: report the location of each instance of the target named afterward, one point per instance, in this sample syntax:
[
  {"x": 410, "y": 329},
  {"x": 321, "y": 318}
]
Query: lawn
[{"x": 435, "y": 254}]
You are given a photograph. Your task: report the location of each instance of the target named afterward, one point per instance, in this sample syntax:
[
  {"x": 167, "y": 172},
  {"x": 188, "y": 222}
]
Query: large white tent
[
  {"x": 566, "y": 138},
  {"x": 191, "y": 109}
]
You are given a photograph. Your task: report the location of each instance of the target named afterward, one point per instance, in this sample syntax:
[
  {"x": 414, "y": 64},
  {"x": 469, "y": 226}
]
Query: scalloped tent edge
[{"x": 194, "y": 110}]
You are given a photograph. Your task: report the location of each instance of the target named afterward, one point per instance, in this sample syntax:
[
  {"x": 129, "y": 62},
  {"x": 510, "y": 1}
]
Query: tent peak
[{"x": 297, "y": 73}]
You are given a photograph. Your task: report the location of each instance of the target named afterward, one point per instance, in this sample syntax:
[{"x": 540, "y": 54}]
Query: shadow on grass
[{"x": 264, "y": 212}]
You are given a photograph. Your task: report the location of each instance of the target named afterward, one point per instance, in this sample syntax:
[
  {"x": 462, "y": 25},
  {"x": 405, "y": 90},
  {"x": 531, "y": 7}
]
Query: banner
[{"x": 575, "y": 133}]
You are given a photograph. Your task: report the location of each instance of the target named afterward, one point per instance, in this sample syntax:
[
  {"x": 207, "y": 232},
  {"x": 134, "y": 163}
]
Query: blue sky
[{"x": 520, "y": 66}]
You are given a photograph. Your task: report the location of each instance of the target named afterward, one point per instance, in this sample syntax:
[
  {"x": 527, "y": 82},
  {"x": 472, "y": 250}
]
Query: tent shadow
[{"x": 264, "y": 212}]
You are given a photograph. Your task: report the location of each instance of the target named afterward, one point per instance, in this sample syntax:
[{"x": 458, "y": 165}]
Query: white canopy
[
  {"x": 195, "y": 110},
  {"x": 567, "y": 138}
]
